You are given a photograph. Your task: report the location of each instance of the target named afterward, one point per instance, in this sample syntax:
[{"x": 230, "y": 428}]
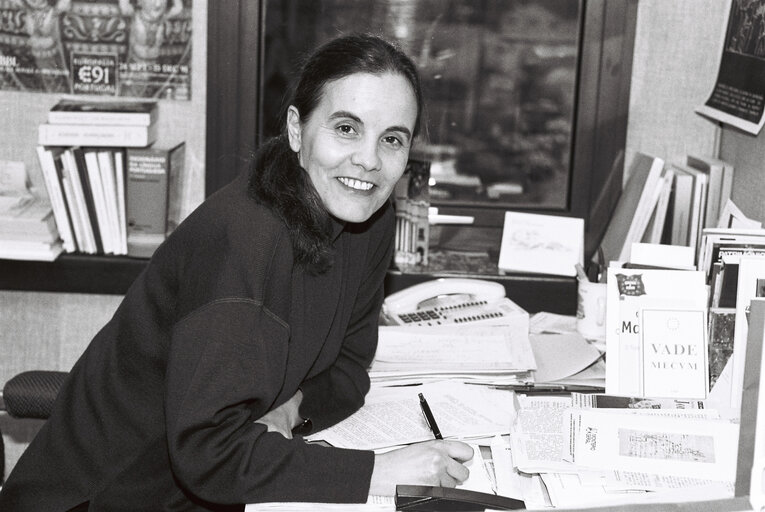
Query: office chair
[{"x": 29, "y": 394}]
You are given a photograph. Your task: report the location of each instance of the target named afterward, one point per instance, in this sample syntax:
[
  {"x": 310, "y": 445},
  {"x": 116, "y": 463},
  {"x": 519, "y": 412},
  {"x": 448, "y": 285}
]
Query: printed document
[{"x": 391, "y": 416}]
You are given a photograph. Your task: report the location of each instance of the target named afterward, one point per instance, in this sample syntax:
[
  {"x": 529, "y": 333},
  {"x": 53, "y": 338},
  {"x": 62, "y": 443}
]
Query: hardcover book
[
  {"x": 150, "y": 172},
  {"x": 633, "y": 210},
  {"x": 136, "y": 113},
  {"x": 96, "y": 135}
]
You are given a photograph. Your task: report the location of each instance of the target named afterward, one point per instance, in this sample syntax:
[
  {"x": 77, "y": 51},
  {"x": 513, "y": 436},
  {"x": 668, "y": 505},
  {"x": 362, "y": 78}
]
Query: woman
[{"x": 256, "y": 316}]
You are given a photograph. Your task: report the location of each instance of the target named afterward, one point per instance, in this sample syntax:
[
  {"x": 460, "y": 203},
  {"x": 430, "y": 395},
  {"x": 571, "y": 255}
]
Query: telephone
[
  {"x": 450, "y": 301},
  {"x": 429, "y": 499}
]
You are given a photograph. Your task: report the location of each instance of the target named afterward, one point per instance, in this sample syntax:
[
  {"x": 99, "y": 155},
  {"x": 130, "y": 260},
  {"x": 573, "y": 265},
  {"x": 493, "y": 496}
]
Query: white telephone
[{"x": 449, "y": 301}]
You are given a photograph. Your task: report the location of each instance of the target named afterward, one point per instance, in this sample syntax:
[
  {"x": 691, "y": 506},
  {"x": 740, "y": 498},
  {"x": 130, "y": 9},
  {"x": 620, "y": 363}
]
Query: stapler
[{"x": 436, "y": 499}]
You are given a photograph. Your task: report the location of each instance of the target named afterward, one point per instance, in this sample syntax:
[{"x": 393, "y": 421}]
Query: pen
[{"x": 429, "y": 417}]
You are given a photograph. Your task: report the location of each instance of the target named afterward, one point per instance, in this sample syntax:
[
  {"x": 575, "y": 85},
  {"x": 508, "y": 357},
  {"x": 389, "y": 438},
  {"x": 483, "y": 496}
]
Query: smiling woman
[
  {"x": 355, "y": 145},
  {"x": 253, "y": 324}
]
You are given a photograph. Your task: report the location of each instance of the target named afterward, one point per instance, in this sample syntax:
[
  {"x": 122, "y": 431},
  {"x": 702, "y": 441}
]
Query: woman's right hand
[{"x": 439, "y": 463}]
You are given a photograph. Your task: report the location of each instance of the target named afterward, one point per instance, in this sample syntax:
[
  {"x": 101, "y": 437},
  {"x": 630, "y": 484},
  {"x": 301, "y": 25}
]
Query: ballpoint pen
[{"x": 429, "y": 417}]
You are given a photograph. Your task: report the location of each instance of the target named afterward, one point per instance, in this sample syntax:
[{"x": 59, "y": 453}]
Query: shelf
[{"x": 73, "y": 273}]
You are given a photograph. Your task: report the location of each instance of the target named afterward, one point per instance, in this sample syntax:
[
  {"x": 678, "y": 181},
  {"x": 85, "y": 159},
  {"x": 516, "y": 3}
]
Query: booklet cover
[
  {"x": 673, "y": 347},
  {"x": 542, "y": 244},
  {"x": 628, "y": 292}
]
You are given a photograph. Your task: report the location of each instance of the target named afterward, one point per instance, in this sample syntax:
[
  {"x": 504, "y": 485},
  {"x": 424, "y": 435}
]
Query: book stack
[
  {"x": 86, "y": 152},
  {"x": 27, "y": 229}
]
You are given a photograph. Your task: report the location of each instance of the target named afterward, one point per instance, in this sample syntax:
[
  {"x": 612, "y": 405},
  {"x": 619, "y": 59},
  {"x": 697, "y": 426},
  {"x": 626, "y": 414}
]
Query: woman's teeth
[{"x": 356, "y": 184}]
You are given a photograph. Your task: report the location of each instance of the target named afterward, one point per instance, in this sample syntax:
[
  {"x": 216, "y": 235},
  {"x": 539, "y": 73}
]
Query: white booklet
[
  {"x": 542, "y": 244},
  {"x": 629, "y": 292}
]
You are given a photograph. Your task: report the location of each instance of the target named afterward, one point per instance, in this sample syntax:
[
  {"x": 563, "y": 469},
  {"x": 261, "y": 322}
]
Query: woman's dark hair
[
  {"x": 355, "y": 53},
  {"x": 278, "y": 181}
]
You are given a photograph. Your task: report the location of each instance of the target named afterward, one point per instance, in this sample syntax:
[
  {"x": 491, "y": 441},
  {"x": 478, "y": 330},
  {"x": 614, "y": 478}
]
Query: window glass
[{"x": 499, "y": 79}]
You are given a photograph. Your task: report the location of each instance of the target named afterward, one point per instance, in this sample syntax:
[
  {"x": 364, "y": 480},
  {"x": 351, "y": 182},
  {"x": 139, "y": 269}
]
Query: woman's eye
[
  {"x": 346, "y": 129},
  {"x": 393, "y": 141}
]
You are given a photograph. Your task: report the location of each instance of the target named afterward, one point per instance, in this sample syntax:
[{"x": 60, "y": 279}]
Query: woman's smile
[{"x": 362, "y": 186}]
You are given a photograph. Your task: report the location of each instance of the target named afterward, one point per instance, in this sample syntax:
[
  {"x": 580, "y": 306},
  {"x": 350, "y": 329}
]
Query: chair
[{"x": 29, "y": 394}]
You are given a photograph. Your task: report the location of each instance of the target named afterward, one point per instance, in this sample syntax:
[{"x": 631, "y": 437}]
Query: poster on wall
[
  {"x": 738, "y": 98},
  {"x": 126, "y": 48}
]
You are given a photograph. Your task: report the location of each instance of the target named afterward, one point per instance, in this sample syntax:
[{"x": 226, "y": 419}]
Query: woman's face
[{"x": 356, "y": 143}]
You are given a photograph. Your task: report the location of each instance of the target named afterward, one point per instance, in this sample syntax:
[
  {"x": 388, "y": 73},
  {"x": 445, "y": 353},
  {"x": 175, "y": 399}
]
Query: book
[
  {"x": 628, "y": 291},
  {"x": 76, "y": 200},
  {"x": 106, "y": 165},
  {"x": 50, "y": 166},
  {"x": 633, "y": 210},
  {"x": 698, "y": 205},
  {"x": 120, "y": 180},
  {"x": 542, "y": 244},
  {"x": 657, "y": 225},
  {"x": 96, "y": 189},
  {"x": 91, "y": 214},
  {"x": 28, "y": 216},
  {"x": 114, "y": 113},
  {"x": 720, "y": 184},
  {"x": 96, "y": 135},
  {"x": 673, "y": 347},
  {"x": 149, "y": 175},
  {"x": 26, "y": 250},
  {"x": 682, "y": 204}
]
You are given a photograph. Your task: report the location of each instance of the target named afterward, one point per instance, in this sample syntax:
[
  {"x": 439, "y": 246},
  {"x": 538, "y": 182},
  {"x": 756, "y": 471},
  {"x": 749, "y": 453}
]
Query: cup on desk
[{"x": 591, "y": 310}]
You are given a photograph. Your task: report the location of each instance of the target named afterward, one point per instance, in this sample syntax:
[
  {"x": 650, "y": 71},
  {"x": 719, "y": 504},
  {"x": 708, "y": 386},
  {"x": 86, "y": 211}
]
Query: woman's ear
[{"x": 293, "y": 128}]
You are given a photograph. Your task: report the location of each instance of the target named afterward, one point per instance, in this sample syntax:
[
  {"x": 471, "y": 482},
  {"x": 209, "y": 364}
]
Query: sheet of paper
[
  {"x": 561, "y": 355},
  {"x": 507, "y": 477},
  {"x": 392, "y": 416},
  {"x": 662, "y": 255},
  {"x": 485, "y": 347},
  {"x": 551, "y": 323},
  {"x": 681, "y": 446},
  {"x": 539, "y": 439}
]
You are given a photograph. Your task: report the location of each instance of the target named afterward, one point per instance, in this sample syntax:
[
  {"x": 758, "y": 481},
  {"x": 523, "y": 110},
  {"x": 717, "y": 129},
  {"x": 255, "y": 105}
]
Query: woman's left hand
[{"x": 283, "y": 418}]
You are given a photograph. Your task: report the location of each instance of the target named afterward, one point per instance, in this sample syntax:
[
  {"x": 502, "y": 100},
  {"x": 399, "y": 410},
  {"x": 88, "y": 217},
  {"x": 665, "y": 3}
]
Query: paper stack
[
  {"x": 27, "y": 227},
  {"x": 479, "y": 354}
]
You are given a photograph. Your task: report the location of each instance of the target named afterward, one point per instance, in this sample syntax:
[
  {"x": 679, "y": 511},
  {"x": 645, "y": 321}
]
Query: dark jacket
[{"x": 220, "y": 328}]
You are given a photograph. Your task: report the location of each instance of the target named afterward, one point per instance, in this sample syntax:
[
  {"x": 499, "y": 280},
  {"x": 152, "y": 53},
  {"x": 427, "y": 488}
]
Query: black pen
[{"x": 429, "y": 417}]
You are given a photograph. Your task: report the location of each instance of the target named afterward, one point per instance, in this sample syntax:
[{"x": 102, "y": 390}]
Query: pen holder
[{"x": 591, "y": 310}]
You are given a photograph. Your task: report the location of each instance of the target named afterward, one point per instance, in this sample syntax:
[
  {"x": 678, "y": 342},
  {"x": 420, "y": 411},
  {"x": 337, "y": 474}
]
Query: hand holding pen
[{"x": 429, "y": 417}]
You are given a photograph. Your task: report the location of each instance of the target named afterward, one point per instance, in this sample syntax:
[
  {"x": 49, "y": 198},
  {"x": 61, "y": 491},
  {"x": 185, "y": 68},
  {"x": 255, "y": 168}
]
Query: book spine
[
  {"x": 76, "y": 200},
  {"x": 94, "y": 135},
  {"x": 99, "y": 199},
  {"x": 147, "y": 192},
  {"x": 106, "y": 166},
  {"x": 56, "y": 195},
  {"x": 100, "y": 118},
  {"x": 120, "y": 182}
]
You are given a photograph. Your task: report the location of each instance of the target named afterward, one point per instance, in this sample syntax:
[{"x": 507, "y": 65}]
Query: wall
[
  {"x": 48, "y": 331},
  {"x": 674, "y": 70}
]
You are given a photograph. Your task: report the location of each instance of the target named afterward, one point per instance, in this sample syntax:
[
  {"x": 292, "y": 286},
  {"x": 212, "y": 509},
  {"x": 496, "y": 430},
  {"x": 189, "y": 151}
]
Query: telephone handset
[
  {"x": 424, "y": 498},
  {"x": 449, "y": 301}
]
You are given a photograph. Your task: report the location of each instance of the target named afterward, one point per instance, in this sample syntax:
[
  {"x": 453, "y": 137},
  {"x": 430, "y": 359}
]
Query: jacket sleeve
[
  {"x": 339, "y": 391},
  {"x": 226, "y": 366}
]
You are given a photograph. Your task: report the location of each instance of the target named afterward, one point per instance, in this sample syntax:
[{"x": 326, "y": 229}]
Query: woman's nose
[{"x": 367, "y": 156}]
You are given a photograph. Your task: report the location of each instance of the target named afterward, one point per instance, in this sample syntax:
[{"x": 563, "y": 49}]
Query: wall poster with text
[
  {"x": 738, "y": 98},
  {"x": 138, "y": 48}
]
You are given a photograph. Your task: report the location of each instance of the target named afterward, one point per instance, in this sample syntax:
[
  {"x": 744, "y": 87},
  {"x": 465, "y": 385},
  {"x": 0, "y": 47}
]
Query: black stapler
[{"x": 437, "y": 499}]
